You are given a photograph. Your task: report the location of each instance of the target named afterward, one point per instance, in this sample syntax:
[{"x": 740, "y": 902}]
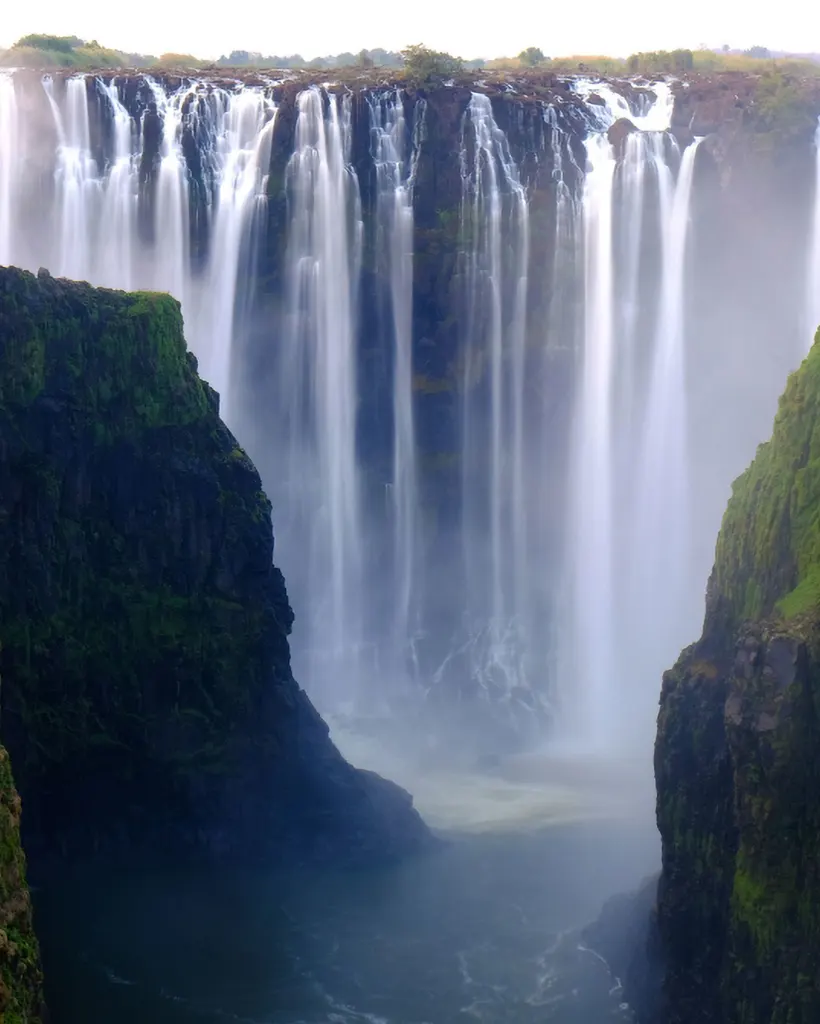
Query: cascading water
[
  {"x": 77, "y": 179},
  {"x": 318, "y": 388},
  {"x": 8, "y": 168},
  {"x": 813, "y": 279},
  {"x": 141, "y": 183},
  {"x": 661, "y": 515},
  {"x": 94, "y": 233},
  {"x": 171, "y": 228},
  {"x": 495, "y": 227},
  {"x": 393, "y": 156},
  {"x": 116, "y": 243},
  {"x": 243, "y": 125},
  {"x": 627, "y": 512},
  {"x": 593, "y": 639}
]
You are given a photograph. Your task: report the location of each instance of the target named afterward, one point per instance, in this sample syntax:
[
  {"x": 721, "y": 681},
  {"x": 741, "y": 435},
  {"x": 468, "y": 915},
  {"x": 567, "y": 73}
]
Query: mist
[{"x": 498, "y": 364}]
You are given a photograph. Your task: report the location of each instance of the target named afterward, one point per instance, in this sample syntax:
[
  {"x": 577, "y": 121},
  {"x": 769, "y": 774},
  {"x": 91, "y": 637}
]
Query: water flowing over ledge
[{"x": 459, "y": 333}]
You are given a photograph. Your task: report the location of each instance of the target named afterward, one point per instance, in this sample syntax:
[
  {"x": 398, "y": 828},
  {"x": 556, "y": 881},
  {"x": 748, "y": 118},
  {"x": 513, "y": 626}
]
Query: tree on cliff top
[
  {"x": 424, "y": 66},
  {"x": 57, "y": 44},
  {"x": 532, "y": 57}
]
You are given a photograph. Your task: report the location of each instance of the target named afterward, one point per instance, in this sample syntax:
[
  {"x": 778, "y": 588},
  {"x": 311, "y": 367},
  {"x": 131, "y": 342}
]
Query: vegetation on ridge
[
  {"x": 768, "y": 551},
  {"x": 39, "y": 50}
]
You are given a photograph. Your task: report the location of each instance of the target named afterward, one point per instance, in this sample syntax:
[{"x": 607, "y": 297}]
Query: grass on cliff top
[{"x": 768, "y": 552}]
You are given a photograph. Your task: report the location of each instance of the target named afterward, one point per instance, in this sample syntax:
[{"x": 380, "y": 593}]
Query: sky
[{"x": 479, "y": 29}]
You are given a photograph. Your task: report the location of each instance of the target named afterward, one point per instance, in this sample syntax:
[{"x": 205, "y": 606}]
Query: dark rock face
[
  {"x": 625, "y": 935},
  {"x": 619, "y": 131},
  {"x": 147, "y": 699},
  {"x": 737, "y": 757}
]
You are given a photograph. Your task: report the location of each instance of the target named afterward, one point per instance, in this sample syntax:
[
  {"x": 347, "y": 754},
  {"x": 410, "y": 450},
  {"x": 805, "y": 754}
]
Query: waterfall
[
  {"x": 116, "y": 242},
  {"x": 660, "y": 545},
  {"x": 92, "y": 232},
  {"x": 556, "y": 418},
  {"x": 77, "y": 180},
  {"x": 394, "y": 158},
  {"x": 8, "y": 167},
  {"x": 628, "y": 526},
  {"x": 495, "y": 228},
  {"x": 243, "y": 126},
  {"x": 318, "y": 384},
  {"x": 593, "y": 640},
  {"x": 171, "y": 211},
  {"x": 813, "y": 279}
]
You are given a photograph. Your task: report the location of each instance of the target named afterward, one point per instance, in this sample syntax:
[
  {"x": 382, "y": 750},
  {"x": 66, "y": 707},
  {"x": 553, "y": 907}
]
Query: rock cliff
[
  {"x": 737, "y": 757},
  {"x": 147, "y": 702}
]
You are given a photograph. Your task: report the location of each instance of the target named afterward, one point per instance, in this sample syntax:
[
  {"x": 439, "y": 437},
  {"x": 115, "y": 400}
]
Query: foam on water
[{"x": 525, "y": 792}]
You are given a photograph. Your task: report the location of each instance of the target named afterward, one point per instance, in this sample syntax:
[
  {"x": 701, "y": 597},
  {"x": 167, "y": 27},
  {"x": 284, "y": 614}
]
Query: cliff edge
[
  {"x": 148, "y": 704},
  {"x": 737, "y": 757}
]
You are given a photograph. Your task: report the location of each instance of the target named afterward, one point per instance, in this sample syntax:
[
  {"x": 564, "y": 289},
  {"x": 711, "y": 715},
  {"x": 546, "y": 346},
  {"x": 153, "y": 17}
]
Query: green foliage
[
  {"x": 57, "y": 44},
  {"x": 423, "y": 66},
  {"x": 768, "y": 551},
  {"x": 597, "y": 63},
  {"x": 758, "y": 52},
  {"x": 782, "y": 108},
  {"x": 364, "y": 59},
  {"x": 131, "y": 626},
  {"x": 47, "y": 51},
  {"x": 531, "y": 57},
  {"x": 179, "y": 60},
  {"x": 661, "y": 62}
]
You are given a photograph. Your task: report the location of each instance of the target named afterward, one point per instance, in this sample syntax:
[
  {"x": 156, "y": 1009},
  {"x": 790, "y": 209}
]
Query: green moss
[
  {"x": 21, "y": 999},
  {"x": 135, "y": 543},
  {"x": 768, "y": 551}
]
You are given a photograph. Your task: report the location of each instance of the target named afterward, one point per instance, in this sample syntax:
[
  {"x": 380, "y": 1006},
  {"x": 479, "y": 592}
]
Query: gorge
[{"x": 497, "y": 350}]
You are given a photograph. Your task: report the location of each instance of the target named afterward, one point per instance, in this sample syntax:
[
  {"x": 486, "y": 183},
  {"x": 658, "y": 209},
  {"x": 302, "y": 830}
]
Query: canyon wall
[{"x": 147, "y": 701}]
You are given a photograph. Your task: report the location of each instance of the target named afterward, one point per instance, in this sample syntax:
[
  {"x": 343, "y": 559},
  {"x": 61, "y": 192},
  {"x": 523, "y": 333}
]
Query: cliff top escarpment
[{"x": 147, "y": 701}]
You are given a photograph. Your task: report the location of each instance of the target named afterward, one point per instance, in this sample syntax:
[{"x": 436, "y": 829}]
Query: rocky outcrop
[
  {"x": 737, "y": 757},
  {"x": 21, "y": 981},
  {"x": 625, "y": 934},
  {"x": 147, "y": 702}
]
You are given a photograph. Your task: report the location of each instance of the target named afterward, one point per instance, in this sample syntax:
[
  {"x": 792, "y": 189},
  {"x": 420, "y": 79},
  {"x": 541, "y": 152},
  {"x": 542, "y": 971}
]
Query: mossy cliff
[
  {"x": 21, "y": 999},
  {"x": 147, "y": 701},
  {"x": 737, "y": 757}
]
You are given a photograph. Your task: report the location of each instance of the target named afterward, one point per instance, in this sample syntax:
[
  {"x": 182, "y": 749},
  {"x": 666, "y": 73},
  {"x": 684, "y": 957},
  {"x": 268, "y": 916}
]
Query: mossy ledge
[
  {"x": 148, "y": 704},
  {"x": 737, "y": 756}
]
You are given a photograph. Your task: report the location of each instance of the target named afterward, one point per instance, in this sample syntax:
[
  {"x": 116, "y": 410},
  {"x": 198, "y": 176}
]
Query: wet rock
[{"x": 619, "y": 131}]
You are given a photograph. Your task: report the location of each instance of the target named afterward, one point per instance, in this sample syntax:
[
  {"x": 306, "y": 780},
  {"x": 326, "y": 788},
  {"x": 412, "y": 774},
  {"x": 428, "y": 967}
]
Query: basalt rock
[
  {"x": 147, "y": 702},
  {"x": 619, "y": 131}
]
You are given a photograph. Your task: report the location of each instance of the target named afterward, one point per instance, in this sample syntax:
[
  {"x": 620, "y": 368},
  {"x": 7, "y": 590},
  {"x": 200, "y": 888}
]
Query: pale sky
[{"x": 478, "y": 29}]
